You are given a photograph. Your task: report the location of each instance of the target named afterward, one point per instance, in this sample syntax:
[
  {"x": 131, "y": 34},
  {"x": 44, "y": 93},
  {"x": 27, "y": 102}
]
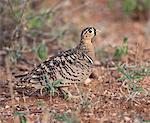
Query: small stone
[
  {"x": 127, "y": 119},
  {"x": 7, "y": 106}
]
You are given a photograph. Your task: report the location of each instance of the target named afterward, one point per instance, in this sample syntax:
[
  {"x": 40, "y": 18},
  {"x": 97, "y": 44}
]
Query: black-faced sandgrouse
[{"x": 72, "y": 66}]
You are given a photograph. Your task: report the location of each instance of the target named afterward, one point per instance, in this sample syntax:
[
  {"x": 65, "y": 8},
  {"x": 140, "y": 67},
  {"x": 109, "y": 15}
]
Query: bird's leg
[{"x": 67, "y": 94}]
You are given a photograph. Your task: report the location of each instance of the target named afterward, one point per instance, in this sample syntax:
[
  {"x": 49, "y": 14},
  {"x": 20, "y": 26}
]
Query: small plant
[
  {"x": 41, "y": 51},
  {"x": 14, "y": 55},
  {"x": 122, "y": 49},
  {"x": 129, "y": 6},
  {"x": 21, "y": 115},
  {"x": 66, "y": 118},
  {"x": 133, "y": 72},
  {"x": 51, "y": 87},
  {"x": 133, "y": 8},
  {"x": 132, "y": 75},
  {"x": 38, "y": 19}
]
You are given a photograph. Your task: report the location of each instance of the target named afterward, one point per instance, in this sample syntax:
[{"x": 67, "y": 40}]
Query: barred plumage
[{"x": 71, "y": 66}]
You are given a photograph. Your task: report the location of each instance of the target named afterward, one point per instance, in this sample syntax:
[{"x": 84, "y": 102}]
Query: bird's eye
[{"x": 90, "y": 31}]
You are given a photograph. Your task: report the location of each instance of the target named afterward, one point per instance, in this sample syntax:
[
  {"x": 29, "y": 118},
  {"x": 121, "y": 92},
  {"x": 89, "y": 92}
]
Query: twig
[
  {"x": 22, "y": 13},
  {"x": 78, "y": 92},
  {"x": 19, "y": 23},
  {"x": 12, "y": 10},
  {"x": 9, "y": 76},
  {"x": 54, "y": 8}
]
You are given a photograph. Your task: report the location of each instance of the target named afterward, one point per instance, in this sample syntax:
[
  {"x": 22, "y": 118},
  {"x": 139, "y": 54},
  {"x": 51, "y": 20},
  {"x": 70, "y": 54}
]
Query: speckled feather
[{"x": 71, "y": 66}]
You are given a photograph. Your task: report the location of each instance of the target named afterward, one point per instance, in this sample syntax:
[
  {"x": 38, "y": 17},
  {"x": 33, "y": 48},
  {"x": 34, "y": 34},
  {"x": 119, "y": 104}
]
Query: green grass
[
  {"x": 122, "y": 49},
  {"x": 133, "y": 72},
  {"x": 21, "y": 115},
  {"x": 66, "y": 118},
  {"x": 51, "y": 87},
  {"x": 131, "y": 75},
  {"x": 42, "y": 51},
  {"x": 130, "y": 7}
]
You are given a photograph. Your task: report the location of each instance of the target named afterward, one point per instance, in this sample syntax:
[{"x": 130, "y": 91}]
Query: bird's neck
[{"x": 87, "y": 47}]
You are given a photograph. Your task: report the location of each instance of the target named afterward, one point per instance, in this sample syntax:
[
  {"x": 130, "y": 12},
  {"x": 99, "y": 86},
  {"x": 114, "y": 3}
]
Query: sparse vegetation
[
  {"x": 137, "y": 9},
  {"x": 131, "y": 75},
  {"x": 66, "y": 118},
  {"x": 122, "y": 49},
  {"x": 21, "y": 115},
  {"x": 51, "y": 87},
  {"x": 41, "y": 51},
  {"x": 130, "y": 6},
  {"x": 31, "y": 31}
]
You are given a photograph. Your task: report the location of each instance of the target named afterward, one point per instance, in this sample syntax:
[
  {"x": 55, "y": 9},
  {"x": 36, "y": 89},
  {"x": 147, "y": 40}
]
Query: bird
[{"x": 72, "y": 66}]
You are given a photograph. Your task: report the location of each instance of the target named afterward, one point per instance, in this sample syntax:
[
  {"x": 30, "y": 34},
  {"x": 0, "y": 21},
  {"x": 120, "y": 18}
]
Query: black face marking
[
  {"x": 88, "y": 29},
  {"x": 94, "y": 31}
]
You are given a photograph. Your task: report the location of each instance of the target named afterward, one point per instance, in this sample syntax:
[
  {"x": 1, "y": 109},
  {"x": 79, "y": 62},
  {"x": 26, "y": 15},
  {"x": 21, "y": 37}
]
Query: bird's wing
[
  {"x": 67, "y": 65},
  {"x": 49, "y": 67}
]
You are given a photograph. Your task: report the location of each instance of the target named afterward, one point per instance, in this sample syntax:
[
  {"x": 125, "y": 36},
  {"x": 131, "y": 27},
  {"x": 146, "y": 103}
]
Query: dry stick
[
  {"x": 9, "y": 78},
  {"x": 79, "y": 92},
  {"x": 23, "y": 10},
  {"x": 7, "y": 60},
  {"x": 18, "y": 23},
  {"x": 12, "y": 10},
  {"x": 136, "y": 53},
  {"x": 54, "y": 8}
]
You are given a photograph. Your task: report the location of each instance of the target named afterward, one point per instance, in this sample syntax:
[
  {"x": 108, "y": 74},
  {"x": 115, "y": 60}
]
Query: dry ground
[{"x": 103, "y": 100}]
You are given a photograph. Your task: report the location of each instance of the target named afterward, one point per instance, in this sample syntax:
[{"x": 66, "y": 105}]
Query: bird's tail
[{"x": 22, "y": 77}]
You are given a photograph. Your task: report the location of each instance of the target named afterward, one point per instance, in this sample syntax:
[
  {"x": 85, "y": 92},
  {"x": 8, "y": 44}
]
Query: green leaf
[
  {"x": 42, "y": 51},
  {"x": 129, "y": 6},
  {"x": 121, "y": 79},
  {"x": 23, "y": 119},
  {"x": 21, "y": 116},
  {"x": 118, "y": 52},
  {"x": 122, "y": 49},
  {"x": 57, "y": 83},
  {"x": 34, "y": 22},
  {"x": 50, "y": 85},
  {"x": 126, "y": 74},
  {"x": 125, "y": 40},
  {"x": 17, "y": 113}
]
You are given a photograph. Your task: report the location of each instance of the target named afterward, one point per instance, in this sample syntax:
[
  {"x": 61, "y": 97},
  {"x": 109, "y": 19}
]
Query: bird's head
[
  {"x": 86, "y": 44},
  {"x": 88, "y": 33}
]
